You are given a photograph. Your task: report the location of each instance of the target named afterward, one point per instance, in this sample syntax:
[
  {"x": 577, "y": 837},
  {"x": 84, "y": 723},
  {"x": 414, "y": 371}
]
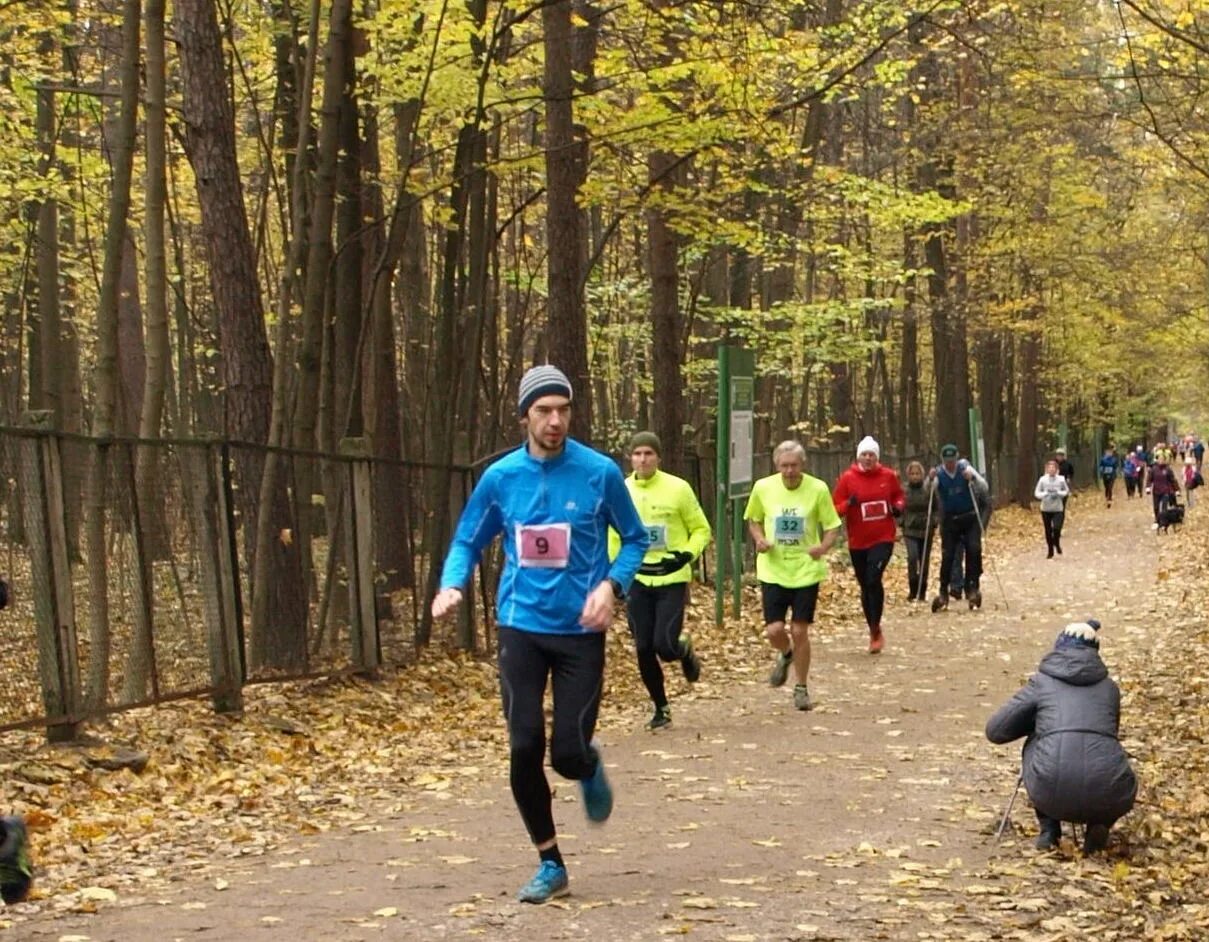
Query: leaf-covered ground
[{"x": 374, "y": 811}]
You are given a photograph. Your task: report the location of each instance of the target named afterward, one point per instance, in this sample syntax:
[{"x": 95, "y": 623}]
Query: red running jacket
[{"x": 878, "y": 494}]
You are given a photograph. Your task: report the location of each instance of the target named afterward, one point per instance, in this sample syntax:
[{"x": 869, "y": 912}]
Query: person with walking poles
[
  {"x": 1162, "y": 485},
  {"x": 920, "y": 519},
  {"x": 554, "y": 500},
  {"x": 793, "y": 524},
  {"x": 1073, "y": 767},
  {"x": 1110, "y": 464},
  {"x": 869, "y": 497},
  {"x": 678, "y": 532},
  {"x": 961, "y": 491},
  {"x": 1052, "y": 490}
]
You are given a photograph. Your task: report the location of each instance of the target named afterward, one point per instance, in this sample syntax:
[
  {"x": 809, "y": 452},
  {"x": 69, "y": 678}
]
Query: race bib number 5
[
  {"x": 788, "y": 530},
  {"x": 656, "y": 534},
  {"x": 543, "y": 545}
]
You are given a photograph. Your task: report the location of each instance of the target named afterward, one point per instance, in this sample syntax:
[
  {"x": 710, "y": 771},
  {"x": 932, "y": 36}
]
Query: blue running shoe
[
  {"x": 16, "y": 871},
  {"x": 597, "y": 794},
  {"x": 549, "y": 882}
]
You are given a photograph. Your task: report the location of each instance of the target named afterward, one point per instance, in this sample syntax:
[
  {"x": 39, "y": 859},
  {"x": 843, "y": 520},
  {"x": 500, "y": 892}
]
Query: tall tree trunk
[
  {"x": 318, "y": 294},
  {"x": 279, "y": 641},
  {"x": 156, "y": 375},
  {"x": 105, "y": 403},
  {"x": 380, "y": 390},
  {"x": 1026, "y": 447},
  {"x": 566, "y": 169},
  {"x": 666, "y": 341},
  {"x": 910, "y": 430},
  {"x": 49, "y": 395}
]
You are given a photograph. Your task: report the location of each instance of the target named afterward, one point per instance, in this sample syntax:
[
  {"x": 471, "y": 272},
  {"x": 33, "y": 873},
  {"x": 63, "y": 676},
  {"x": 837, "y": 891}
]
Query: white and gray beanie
[{"x": 544, "y": 380}]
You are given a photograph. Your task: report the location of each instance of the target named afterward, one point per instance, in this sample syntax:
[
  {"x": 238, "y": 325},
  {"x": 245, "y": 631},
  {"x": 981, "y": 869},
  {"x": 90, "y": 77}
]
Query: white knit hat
[
  {"x": 868, "y": 444},
  {"x": 1080, "y": 633}
]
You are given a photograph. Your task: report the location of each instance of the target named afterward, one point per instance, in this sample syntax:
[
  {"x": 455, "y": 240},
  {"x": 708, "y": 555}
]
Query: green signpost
[
  {"x": 736, "y": 421},
  {"x": 978, "y": 447}
]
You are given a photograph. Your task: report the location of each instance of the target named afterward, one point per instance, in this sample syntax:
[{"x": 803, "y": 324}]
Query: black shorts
[{"x": 778, "y": 600}]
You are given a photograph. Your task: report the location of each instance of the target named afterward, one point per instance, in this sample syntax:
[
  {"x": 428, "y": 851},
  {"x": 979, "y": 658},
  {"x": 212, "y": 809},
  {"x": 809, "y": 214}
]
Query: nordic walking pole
[
  {"x": 1007, "y": 812},
  {"x": 983, "y": 536},
  {"x": 926, "y": 555}
]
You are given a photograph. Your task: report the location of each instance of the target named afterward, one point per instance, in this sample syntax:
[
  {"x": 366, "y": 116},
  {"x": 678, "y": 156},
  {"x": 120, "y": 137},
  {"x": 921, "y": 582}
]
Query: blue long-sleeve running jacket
[{"x": 579, "y": 492}]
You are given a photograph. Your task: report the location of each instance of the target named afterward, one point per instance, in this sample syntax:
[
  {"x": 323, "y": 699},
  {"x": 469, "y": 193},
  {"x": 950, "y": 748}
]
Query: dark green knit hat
[{"x": 647, "y": 440}]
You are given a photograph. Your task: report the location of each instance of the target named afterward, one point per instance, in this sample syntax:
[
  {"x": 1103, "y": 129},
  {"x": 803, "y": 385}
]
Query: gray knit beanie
[{"x": 544, "y": 380}]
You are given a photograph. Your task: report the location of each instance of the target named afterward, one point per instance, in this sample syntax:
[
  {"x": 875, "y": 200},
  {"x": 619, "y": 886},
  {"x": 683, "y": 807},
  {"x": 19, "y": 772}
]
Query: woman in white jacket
[{"x": 1052, "y": 490}]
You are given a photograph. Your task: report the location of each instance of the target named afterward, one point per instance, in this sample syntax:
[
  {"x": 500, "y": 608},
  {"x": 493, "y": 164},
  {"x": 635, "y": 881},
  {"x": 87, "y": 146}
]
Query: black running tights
[
  {"x": 868, "y": 566},
  {"x": 575, "y": 662},
  {"x": 656, "y": 615}
]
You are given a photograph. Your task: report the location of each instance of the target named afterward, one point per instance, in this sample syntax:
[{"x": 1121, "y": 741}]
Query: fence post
[
  {"x": 359, "y": 553},
  {"x": 54, "y": 609},
  {"x": 226, "y": 632}
]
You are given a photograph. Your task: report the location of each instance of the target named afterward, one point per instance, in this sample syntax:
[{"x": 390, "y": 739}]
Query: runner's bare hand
[
  {"x": 598, "y": 609},
  {"x": 445, "y": 602}
]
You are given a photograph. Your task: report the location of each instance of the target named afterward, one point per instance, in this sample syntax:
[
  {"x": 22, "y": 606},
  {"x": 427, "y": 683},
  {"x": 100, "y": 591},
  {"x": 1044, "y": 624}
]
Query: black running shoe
[
  {"x": 689, "y": 662},
  {"x": 661, "y": 718}
]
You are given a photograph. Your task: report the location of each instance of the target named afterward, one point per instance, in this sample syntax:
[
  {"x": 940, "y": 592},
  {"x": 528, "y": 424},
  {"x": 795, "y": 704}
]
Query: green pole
[
  {"x": 737, "y": 570},
  {"x": 722, "y": 482}
]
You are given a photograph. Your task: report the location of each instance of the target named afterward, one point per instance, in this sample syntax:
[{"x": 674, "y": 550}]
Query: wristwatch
[{"x": 618, "y": 591}]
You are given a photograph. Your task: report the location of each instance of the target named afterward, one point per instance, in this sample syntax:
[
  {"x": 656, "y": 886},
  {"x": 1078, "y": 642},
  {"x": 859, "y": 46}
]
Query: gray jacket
[{"x": 1074, "y": 768}]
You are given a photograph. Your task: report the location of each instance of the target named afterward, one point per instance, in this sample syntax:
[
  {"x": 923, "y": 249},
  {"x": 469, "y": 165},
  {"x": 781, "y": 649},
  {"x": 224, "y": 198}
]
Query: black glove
[
  {"x": 896, "y": 511},
  {"x": 672, "y": 562},
  {"x": 852, "y": 501}
]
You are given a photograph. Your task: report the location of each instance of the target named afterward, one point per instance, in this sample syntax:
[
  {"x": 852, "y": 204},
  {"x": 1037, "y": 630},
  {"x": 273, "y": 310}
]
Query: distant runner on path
[
  {"x": 793, "y": 524},
  {"x": 554, "y": 500},
  {"x": 1052, "y": 490},
  {"x": 870, "y": 497},
  {"x": 678, "y": 532}
]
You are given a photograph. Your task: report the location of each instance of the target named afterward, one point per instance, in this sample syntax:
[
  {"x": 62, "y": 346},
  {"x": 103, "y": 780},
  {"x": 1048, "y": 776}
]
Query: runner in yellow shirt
[
  {"x": 791, "y": 518},
  {"x": 678, "y": 533}
]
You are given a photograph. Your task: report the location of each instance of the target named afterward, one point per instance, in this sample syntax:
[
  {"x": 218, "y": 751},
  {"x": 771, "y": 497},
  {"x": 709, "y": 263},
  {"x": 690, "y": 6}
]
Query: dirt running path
[{"x": 869, "y": 817}]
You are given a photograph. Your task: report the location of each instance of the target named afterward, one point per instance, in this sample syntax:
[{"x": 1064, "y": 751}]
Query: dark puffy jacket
[
  {"x": 1074, "y": 768},
  {"x": 916, "y": 515}
]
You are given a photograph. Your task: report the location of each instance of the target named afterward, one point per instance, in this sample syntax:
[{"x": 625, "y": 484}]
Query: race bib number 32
[
  {"x": 543, "y": 545},
  {"x": 788, "y": 530}
]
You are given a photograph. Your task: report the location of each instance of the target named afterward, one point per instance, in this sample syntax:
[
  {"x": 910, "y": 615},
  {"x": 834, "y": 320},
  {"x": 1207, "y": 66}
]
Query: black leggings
[
  {"x": 656, "y": 616},
  {"x": 1052, "y": 520},
  {"x": 1108, "y": 483},
  {"x": 576, "y": 664},
  {"x": 868, "y": 566}
]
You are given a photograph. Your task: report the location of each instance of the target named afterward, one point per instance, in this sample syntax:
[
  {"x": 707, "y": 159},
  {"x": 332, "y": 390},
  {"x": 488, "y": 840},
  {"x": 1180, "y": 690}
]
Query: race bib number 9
[
  {"x": 543, "y": 545},
  {"x": 656, "y": 535},
  {"x": 788, "y": 530}
]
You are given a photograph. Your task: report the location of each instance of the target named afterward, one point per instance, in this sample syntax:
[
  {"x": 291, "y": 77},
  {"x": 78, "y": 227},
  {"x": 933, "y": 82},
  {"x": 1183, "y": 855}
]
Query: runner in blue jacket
[{"x": 553, "y": 500}]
